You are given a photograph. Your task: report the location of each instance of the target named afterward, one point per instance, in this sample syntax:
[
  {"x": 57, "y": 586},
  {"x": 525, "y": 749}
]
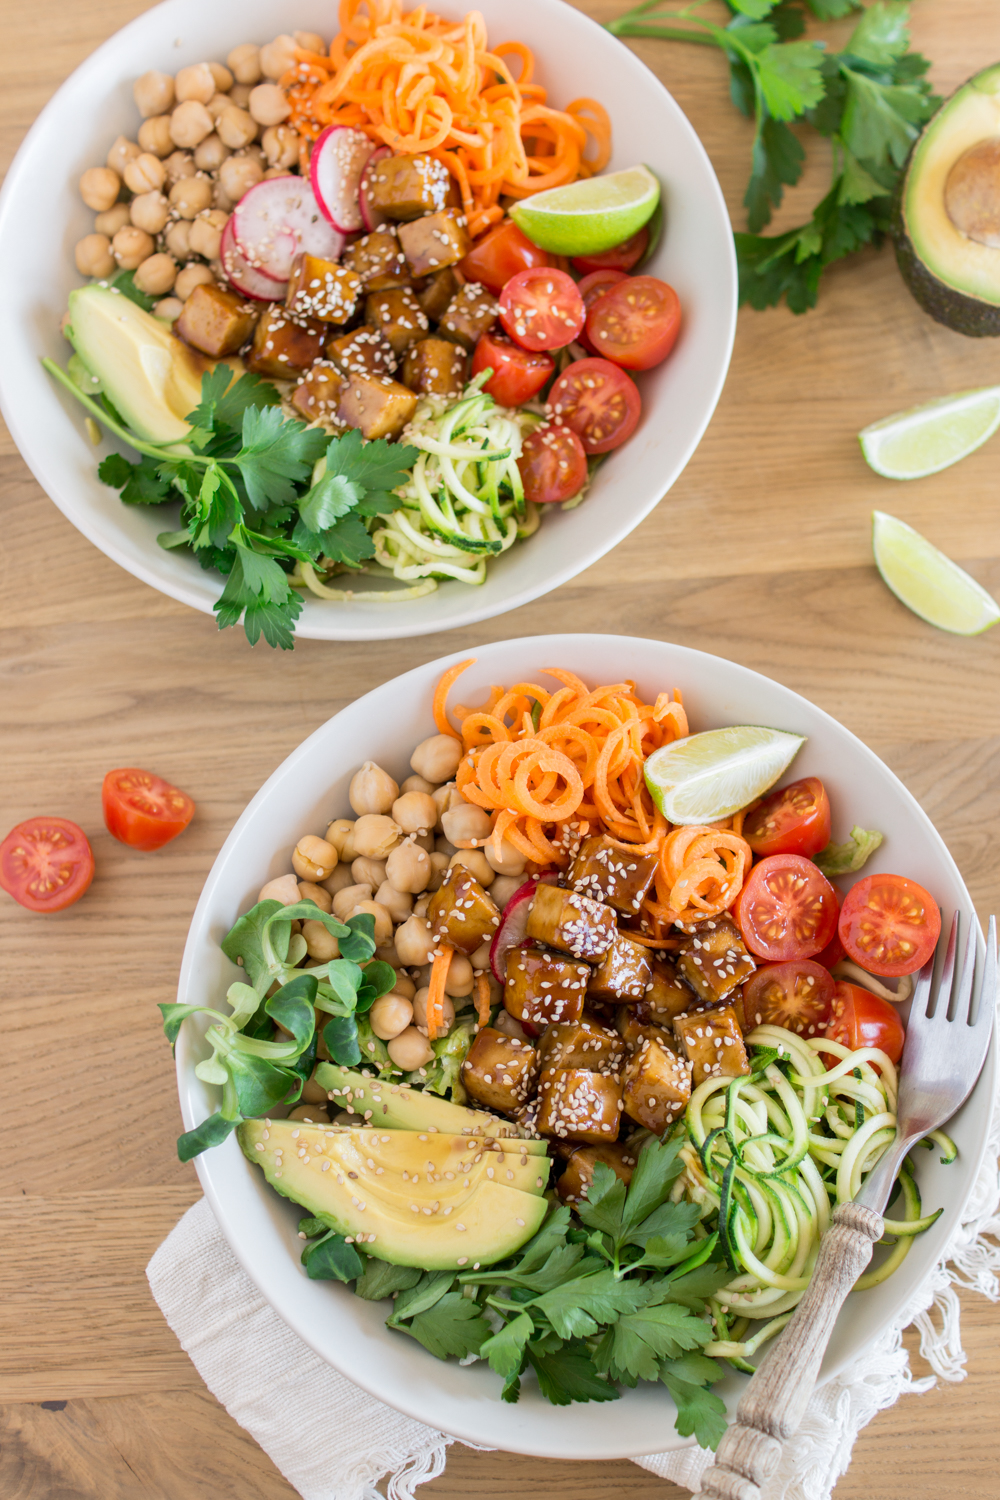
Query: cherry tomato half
[
  {"x": 832, "y": 953},
  {"x": 795, "y": 995},
  {"x": 518, "y": 374},
  {"x": 598, "y": 401},
  {"x": 143, "y": 810},
  {"x": 619, "y": 258},
  {"x": 591, "y": 288},
  {"x": 794, "y": 820},
  {"x": 542, "y": 309},
  {"x": 787, "y": 909},
  {"x": 499, "y": 255},
  {"x": 861, "y": 1019},
  {"x": 46, "y": 863},
  {"x": 636, "y": 324},
  {"x": 553, "y": 464},
  {"x": 889, "y": 925}
]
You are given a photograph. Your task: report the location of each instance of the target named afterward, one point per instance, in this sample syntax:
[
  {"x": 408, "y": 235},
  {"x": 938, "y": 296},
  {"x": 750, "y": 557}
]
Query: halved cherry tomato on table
[
  {"x": 591, "y": 288},
  {"x": 553, "y": 464},
  {"x": 598, "y": 401},
  {"x": 46, "y": 863},
  {"x": 499, "y": 255},
  {"x": 787, "y": 909},
  {"x": 143, "y": 810},
  {"x": 619, "y": 258},
  {"x": 636, "y": 323},
  {"x": 542, "y": 309},
  {"x": 795, "y": 995},
  {"x": 518, "y": 374},
  {"x": 889, "y": 925},
  {"x": 794, "y": 820},
  {"x": 860, "y": 1019}
]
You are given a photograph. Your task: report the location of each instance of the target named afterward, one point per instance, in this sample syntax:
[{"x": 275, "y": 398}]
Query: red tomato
[
  {"x": 518, "y": 374},
  {"x": 542, "y": 309},
  {"x": 46, "y": 863},
  {"x": 598, "y": 401},
  {"x": 499, "y": 255},
  {"x": 553, "y": 464},
  {"x": 889, "y": 925},
  {"x": 636, "y": 324},
  {"x": 795, "y": 820},
  {"x": 591, "y": 288},
  {"x": 619, "y": 258},
  {"x": 142, "y": 810},
  {"x": 832, "y": 953},
  {"x": 794, "y": 995},
  {"x": 861, "y": 1019},
  {"x": 787, "y": 909}
]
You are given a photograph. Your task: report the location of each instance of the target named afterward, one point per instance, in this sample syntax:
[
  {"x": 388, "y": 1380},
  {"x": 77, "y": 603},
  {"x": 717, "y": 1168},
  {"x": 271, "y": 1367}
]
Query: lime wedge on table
[
  {"x": 927, "y": 582},
  {"x": 927, "y": 438},
  {"x": 712, "y": 775},
  {"x": 587, "y": 217}
]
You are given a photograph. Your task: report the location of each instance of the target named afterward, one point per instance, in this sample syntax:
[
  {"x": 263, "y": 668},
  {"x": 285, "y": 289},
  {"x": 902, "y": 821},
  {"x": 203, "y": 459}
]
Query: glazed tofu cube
[
  {"x": 435, "y": 292},
  {"x": 581, "y": 1044},
  {"x": 579, "y": 1105},
  {"x": 378, "y": 259},
  {"x": 215, "y": 321},
  {"x": 634, "y": 1031},
  {"x": 500, "y": 1070},
  {"x": 461, "y": 914},
  {"x": 713, "y": 1043},
  {"x": 603, "y": 871},
  {"x": 379, "y": 405},
  {"x": 542, "y": 989},
  {"x": 573, "y": 924},
  {"x": 468, "y": 315},
  {"x": 624, "y": 973},
  {"x": 398, "y": 316},
  {"x": 283, "y": 348},
  {"x": 319, "y": 394},
  {"x": 657, "y": 1086},
  {"x": 666, "y": 995},
  {"x": 714, "y": 959},
  {"x": 404, "y": 187},
  {"x": 363, "y": 352},
  {"x": 434, "y": 241},
  {"x": 435, "y": 367},
  {"x": 322, "y": 289},
  {"x": 578, "y": 1174}
]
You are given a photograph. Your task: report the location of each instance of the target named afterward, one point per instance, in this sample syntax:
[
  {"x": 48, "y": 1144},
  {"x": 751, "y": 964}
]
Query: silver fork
[{"x": 944, "y": 1053}]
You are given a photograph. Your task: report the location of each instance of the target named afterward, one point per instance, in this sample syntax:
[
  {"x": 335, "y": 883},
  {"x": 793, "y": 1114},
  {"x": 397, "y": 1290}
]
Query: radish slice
[
  {"x": 247, "y": 281},
  {"x": 512, "y": 932},
  {"x": 371, "y": 217},
  {"x": 276, "y": 219},
  {"x": 338, "y": 159}
]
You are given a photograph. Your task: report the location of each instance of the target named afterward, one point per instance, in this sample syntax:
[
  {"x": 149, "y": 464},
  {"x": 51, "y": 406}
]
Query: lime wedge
[
  {"x": 712, "y": 775},
  {"x": 927, "y": 438},
  {"x": 587, "y": 217},
  {"x": 927, "y": 582}
]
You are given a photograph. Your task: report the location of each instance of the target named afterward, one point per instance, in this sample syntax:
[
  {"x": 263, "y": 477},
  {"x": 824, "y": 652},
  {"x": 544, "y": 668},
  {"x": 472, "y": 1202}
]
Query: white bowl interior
[
  {"x": 575, "y": 58},
  {"x": 310, "y": 788}
]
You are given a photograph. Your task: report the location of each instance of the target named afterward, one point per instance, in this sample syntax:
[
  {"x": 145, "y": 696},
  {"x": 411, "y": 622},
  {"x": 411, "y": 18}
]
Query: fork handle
[{"x": 775, "y": 1401}]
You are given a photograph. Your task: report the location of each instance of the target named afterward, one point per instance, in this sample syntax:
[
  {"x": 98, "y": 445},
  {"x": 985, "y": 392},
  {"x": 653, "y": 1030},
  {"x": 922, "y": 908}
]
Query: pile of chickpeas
[
  {"x": 387, "y": 860},
  {"x": 207, "y": 136}
]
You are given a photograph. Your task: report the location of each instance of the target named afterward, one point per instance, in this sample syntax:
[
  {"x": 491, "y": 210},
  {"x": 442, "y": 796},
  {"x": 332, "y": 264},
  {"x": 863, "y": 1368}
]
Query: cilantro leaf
[
  {"x": 882, "y": 35},
  {"x": 453, "y": 1326},
  {"x": 577, "y": 1307},
  {"x": 275, "y": 622},
  {"x": 755, "y": 9},
  {"x": 605, "y": 1202},
  {"x": 331, "y": 497},
  {"x": 258, "y": 590},
  {"x": 505, "y": 1350},
  {"x": 224, "y": 400},
  {"x": 640, "y": 1339},
  {"x": 570, "y": 1375},
  {"x": 790, "y": 78},
  {"x": 276, "y": 455},
  {"x": 849, "y": 857},
  {"x": 700, "y": 1412},
  {"x": 777, "y": 162},
  {"x": 880, "y": 120},
  {"x": 348, "y": 542},
  {"x": 375, "y": 465},
  {"x": 658, "y": 1167},
  {"x": 833, "y": 10},
  {"x": 670, "y": 1220},
  {"x": 146, "y": 483}
]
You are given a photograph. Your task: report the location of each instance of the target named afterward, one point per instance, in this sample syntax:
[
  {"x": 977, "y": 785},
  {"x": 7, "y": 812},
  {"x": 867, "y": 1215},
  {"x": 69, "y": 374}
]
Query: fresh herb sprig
[
  {"x": 259, "y": 493},
  {"x": 870, "y": 100}
]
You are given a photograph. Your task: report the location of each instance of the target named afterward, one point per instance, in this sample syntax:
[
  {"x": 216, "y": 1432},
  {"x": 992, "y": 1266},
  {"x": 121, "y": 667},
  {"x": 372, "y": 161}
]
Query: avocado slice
[
  {"x": 401, "y": 1107},
  {"x": 947, "y": 215},
  {"x": 423, "y": 1220},
  {"x": 407, "y": 1157}
]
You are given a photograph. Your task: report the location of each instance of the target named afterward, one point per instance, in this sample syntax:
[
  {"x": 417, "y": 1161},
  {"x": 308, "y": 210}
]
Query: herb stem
[
  {"x": 665, "y": 33},
  {"x": 151, "y": 449}
]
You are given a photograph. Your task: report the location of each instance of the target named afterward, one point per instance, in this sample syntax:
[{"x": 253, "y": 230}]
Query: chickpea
[
  {"x": 192, "y": 275},
  {"x": 409, "y": 1050},
  {"x": 439, "y": 866},
  {"x": 221, "y": 200},
  {"x": 417, "y": 784},
  {"x": 313, "y": 1092},
  {"x": 460, "y": 976},
  {"x": 93, "y": 255},
  {"x": 389, "y": 1016},
  {"x": 150, "y": 211},
  {"x": 446, "y": 797},
  {"x": 474, "y": 860},
  {"x": 278, "y": 56},
  {"x": 421, "y": 905},
  {"x": 179, "y": 164},
  {"x": 503, "y": 888},
  {"x": 281, "y": 146},
  {"x": 404, "y": 987},
  {"x": 145, "y": 174},
  {"x": 206, "y": 233},
  {"x": 309, "y": 891},
  {"x": 209, "y": 156},
  {"x": 437, "y": 758},
  {"x": 466, "y": 822},
  {"x": 319, "y": 943},
  {"x": 423, "y": 977},
  {"x": 156, "y": 275},
  {"x": 223, "y": 77},
  {"x": 341, "y": 835},
  {"x": 285, "y": 888},
  {"x": 372, "y": 790},
  {"x": 155, "y": 137},
  {"x": 398, "y": 904},
  {"x": 237, "y": 176},
  {"x": 480, "y": 960},
  {"x": 415, "y": 812},
  {"x": 240, "y": 93},
  {"x": 414, "y": 941},
  {"x": 313, "y": 858},
  {"x": 112, "y": 220},
  {"x": 309, "y": 1114},
  {"x": 257, "y": 152},
  {"x": 178, "y": 238},
  {"x": 275, "y": 172},
  {"x": 383, "y": 920},
  {"x": 122, "y": 152},
  {"x": 444, "y": 846},
  {"x": 386, "y": 954},
  {"x": 408, "y": 868},
  {"x": 510, "y": 862},
  {"x": 154, "y": 93},
  {"x": 368, "y": 871},
  {"x": 244, "y": 61},
  {"x": 190, "y": 123},
  {"x": 339, "y": 880},
  {"x": 99, "y": 188},
  {"x": 420, "y": 1013},
  {"x": 346, "y": 900},
  {"x": 375, "y": 835},
  {"x": 268, "y": 104},
  {"x": 424, "y": 841},
  {"x": 169, "y": 309},
  {"x": 236, "y": 127},
  {"x": 194, "y": 82},
  {"x": 131, "y": 247},
  {"x": 191, "y": 196},
  {"x": 310, "y": 41}
]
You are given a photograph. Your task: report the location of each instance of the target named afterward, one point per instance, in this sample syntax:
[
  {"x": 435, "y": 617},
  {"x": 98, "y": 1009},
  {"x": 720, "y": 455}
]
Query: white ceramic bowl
[
  {"x": 575, "y": 58},
  {"x": 309, "y": 789}
]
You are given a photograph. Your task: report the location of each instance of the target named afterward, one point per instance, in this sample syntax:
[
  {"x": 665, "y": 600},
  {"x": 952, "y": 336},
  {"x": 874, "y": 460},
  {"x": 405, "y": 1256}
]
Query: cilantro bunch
[{"x": 870, "y": 101}]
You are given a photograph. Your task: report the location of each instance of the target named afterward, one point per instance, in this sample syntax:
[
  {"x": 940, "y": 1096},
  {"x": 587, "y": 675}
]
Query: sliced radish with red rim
[
  {"x": 371, "y": 216},
  {"x": 247, "y": 281},
  {"x": 338, "y": 160},
  {"x": 512, "y": 932},
  {"x": 276, "y": 219}
]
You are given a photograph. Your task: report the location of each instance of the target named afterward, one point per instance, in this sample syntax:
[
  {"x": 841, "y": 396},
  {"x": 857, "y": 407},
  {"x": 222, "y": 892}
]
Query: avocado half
[{"x": 947, "y": 218}]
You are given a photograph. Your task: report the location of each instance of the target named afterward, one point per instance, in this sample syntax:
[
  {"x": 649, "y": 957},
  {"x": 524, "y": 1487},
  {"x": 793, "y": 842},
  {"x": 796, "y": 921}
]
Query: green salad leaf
[{"x": 849, "y": 857}]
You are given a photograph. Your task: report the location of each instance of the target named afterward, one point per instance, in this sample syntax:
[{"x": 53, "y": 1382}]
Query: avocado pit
[{"x": 972, "y": 193}]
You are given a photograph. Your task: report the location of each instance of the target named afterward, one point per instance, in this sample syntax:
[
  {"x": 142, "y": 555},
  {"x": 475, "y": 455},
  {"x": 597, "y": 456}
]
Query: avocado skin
[{"x": 945, "y": 304}]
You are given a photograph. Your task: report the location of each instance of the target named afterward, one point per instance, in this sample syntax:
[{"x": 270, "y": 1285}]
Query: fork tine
[
  {"x": 988, "y": 988},
  {"x": 922, "y": 989},
  {"x": 962, "y": 1003},
  {"x": 942, "y": 995}
]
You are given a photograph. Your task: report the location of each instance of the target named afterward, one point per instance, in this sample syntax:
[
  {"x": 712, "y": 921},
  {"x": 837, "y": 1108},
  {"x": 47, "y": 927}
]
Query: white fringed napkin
[{"x": 217, "y": 1314}]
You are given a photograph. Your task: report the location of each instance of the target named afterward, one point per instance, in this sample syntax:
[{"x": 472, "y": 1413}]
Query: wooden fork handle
[{"x": 774, "y": 1402}]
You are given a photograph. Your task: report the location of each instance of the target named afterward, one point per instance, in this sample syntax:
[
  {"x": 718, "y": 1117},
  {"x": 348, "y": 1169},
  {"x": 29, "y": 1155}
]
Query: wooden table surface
[{"x": 760, "y": 554}]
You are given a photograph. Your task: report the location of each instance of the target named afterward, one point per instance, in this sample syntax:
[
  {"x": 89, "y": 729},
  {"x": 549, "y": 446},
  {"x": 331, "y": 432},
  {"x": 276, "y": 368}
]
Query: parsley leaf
[
  {"x": 882, "y": 35},
  {"x": 376, "y": 465},
  {"x": 224, "y": 400},
  {"x": 454, "y": 1325},
  {"x": 700, "y": 1413},
  {"x": 505, "y": 1350},
  {"x": 790, "y": 78},
  {"x": 640, "y": 1339},
  {"x": 577, "y": 1307},
  {"x": 145, "y": 483},
  {"x": 694, "y": 1289},
  {"x": 331, "y": 497},
  {"x": 570, "y": 1375},
  {"x": 276, "y": 455}
]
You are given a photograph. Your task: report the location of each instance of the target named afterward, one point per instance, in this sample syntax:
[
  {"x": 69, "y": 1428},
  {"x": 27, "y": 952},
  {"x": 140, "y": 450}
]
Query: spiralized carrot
[
  {"x": 482, "y": 1000},
  {"x": 700, "y": 873},
  {"x": 435, "y": 992},
  {"x": 421, "y": 84},
  {"x": 441, "y": 698}
]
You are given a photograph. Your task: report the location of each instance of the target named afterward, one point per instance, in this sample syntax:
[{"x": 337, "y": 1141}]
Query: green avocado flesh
[
  {"x": 439, "y": 1202},
  {"x": 952, "y": 274}
]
